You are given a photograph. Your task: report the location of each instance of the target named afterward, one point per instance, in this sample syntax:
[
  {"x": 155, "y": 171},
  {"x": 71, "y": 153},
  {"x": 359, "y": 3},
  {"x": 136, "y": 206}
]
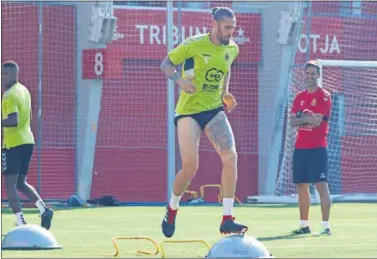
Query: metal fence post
[
  {"x": 170, "y": 105},
  {"x": 40, "y": 74}
]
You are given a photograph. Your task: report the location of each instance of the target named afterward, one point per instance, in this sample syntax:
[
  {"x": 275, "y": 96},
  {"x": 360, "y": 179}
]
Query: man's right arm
[
  {"x": 296, "y": 117},
  {"x": 169, "y": 69},
  {"x": 297, "y": 120},
  {"x": 11, "y": 120},
  {"x": 175, "y": 57}
]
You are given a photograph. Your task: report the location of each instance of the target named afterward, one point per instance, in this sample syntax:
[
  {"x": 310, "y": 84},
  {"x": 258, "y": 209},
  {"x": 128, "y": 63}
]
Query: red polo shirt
[{"x": 318, "y": 101}]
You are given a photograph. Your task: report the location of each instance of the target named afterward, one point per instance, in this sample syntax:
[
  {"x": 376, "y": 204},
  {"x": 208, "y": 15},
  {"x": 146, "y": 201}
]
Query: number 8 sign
[
  {"x": 93, "y": 66},
  {"x": 98, "y": 66}
]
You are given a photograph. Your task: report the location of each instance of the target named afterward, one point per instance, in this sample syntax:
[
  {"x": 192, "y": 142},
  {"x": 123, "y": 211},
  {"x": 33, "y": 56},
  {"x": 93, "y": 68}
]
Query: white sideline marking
[
  {"x": 314, "y": 246},
  {"x": 315, "y": 235}
]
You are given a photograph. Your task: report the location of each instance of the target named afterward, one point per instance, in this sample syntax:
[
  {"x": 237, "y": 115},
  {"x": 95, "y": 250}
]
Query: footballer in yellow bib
[
  {"x": 206, "y": 60},
  {"x": 206, "y": 64},
  {"x": 16, "y": 100},
  {"x": 18, "y": 144}
]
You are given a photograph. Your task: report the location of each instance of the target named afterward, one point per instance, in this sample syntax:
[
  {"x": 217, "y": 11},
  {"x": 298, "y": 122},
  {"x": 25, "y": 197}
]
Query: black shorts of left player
[
  {"x": 16, "y": 160},
  {"x": 310, "y": 165},
  {"x": 201, "y": 118}
]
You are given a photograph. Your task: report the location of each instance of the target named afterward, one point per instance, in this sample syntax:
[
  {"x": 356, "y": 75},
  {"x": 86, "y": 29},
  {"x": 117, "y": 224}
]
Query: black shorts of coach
[
  {"x": 310, "y": 165},
  {"x": 202, "y": 118},
  {"x": 16, "y": 160}
]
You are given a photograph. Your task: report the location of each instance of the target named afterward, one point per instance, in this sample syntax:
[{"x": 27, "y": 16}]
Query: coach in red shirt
[{"x": 310, "y": 113}]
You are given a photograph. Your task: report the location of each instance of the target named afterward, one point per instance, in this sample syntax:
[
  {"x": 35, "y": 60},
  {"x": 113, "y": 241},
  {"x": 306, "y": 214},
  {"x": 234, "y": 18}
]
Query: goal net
[{"x": 352, "y": 139}]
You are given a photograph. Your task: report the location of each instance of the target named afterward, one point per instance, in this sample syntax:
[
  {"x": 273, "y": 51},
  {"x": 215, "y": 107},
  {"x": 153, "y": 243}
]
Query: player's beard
[
  {"x": 220, "y": 36},
  {"x": 225, "y": 41},
  {"x": 11, "y": 83},
  {"x": 311, "y": 83},
  {"x": 6, "y": 85}
]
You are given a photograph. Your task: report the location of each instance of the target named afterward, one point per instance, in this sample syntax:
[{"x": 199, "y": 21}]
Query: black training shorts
[
  {"x": 201, "y": 118},
  {"x": 310, "y": 165},
  {"x": 16, "y": 160}
]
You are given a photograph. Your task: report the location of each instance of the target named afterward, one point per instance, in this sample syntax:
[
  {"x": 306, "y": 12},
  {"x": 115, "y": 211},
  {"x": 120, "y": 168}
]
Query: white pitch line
[
  {"x": 314, "y": 246},
  {"x": 292, "y": 237}
]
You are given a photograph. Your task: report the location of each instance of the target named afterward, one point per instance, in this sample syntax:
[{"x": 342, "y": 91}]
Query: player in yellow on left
[{"x": 18, "y": 145}]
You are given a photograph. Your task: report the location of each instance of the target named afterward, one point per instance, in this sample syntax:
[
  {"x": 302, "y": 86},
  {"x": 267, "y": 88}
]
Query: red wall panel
[
  {"x": 20, "y": 36},
  {"x": 131, "y": 154}
]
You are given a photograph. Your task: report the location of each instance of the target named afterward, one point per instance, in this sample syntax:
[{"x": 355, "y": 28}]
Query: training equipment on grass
[
  {"x": 193, "y": 194},
  {"x": 181, "y": 242},
  {"x": 29, "y": 237},
  {"x": 229, "y": 100},
  {"x": 219, "y": 196},
  {"x": 136, "y": 238},
  {"x": 238, "y": 246},
  {"x": 74, "y": 201}
]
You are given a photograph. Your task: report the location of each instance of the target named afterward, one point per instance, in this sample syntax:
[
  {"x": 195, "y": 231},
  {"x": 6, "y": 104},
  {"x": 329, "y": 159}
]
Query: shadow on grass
[
  {"x": 30, "y": 210},
  {"x": 34, "y": 211},
  {"x": 288, "y": 236},
  {"x": 272, "y": 206},
  {"x": 25, "y": 211}
]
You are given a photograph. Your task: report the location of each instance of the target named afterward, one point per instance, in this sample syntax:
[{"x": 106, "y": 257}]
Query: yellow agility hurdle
[
  {"x": 117, "y": 251},
  {"x": 219, "y": 196}
]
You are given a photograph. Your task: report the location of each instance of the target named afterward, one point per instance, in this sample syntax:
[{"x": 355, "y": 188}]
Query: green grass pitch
[{"x": 88, "y": 232}]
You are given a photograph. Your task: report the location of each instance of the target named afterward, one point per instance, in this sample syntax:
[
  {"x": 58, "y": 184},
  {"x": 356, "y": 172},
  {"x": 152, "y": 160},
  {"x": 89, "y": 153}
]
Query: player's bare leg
[
  {"x": 10, "y": 182},
  {"x": 30, "y": 192},
  {"x": 304, "y": 206},
  {"x": 189, "y": 133},
  {"x": 325, "y": 199},
  {"x": 220, "y": 133}
]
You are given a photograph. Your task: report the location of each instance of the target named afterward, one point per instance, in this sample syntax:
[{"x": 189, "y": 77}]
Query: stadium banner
[
  {"x": 141, "y": 35},
  {"x": 338, "y": 38}
]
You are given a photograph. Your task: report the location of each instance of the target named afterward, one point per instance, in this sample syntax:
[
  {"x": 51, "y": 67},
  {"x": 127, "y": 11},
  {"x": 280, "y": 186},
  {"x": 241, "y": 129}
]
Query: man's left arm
[
  {"x": 327, "y": 105},
  {"x": 12, "y": 113},
  {"x": 226, "y": 83},
  {"x": 225, "y": 89},
  {"x": 227, "y": 97}
]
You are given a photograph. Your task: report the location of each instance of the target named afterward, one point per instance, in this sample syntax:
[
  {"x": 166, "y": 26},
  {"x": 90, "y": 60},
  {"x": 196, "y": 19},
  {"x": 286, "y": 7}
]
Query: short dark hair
[
  {"x": 313, "y": 63},
  {"x": 219, "y": 13},
  {"x": 11, "y": 64}
]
